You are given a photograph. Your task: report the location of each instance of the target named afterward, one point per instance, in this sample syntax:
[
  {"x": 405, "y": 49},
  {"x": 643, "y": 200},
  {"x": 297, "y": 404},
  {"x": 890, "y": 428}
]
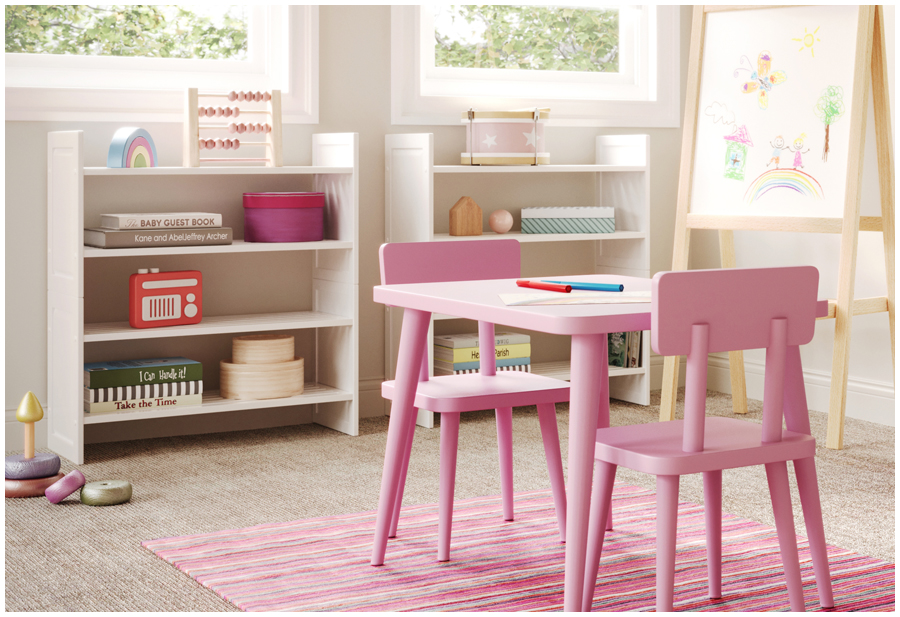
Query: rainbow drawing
[
  {"x": 131, "y": 147},
  {"x": 788, "y": 179}
]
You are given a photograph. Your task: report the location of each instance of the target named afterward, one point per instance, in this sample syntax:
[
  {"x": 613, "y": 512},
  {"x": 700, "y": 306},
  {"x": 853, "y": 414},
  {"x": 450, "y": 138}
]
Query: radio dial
[
  {"x": 143, "y": 270},
  {"x": 154, "y": 270},
  {"x": 190, "y": 310}
]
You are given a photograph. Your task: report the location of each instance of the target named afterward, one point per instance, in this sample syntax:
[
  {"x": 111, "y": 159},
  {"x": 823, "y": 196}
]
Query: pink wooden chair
[
  {"x": 696, "y": 313},
  {"x": 450, "y": 395}
]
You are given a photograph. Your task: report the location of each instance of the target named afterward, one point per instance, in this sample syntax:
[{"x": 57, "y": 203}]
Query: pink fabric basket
[{"x": 284, "y": 217}]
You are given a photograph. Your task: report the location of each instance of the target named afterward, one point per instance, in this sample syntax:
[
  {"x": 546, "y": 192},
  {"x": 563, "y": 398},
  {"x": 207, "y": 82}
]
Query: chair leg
[
  {"x": 780, "y": 491},
  {"x": 449, "y": 443},
  {"x": 666, "y": 528},
  {"x": 504, "y": 446},
  {"x": 712, "y": 497},
  {"x": 601, "y": 504},
  {"x": 392, "y": 533},
  {"x": 808, "y": 486},
  {"x": 550, "y": 436}
]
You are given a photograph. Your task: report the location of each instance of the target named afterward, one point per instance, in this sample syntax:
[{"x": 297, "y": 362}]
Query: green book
[{"x": 139, "y": 372}]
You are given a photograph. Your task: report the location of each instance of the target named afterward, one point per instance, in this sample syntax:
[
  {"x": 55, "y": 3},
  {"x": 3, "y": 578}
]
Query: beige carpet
[{"x": 71, "y": 557}]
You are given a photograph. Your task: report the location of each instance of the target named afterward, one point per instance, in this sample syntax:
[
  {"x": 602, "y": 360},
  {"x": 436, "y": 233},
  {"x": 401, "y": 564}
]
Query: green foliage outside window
[
  {"x": 157, "y": 31},
  {"x": 527, "y": 37}
]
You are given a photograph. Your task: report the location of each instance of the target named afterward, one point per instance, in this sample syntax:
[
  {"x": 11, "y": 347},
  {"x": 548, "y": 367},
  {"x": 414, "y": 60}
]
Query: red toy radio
[{"x": 164, "y": 298}]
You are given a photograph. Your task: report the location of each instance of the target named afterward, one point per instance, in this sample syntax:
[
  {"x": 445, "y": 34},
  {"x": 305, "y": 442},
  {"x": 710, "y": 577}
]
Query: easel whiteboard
[{"x": 807, "y": 57}]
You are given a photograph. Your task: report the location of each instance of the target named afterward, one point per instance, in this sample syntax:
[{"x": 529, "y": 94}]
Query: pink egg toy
[{"x": 500, "y": 221}]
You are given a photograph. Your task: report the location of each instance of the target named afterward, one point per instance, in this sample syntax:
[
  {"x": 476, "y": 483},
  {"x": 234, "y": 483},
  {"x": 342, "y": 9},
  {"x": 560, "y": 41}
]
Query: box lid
[
  {"x": 284, "y": 200},
  {"x": 514, "y": 114}
]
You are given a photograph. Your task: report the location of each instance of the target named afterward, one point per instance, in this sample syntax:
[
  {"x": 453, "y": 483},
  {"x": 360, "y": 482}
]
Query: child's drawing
[
  {"x": 808, "y": 39},
  {"x": 736, "y": 153},
  {"x": 798, "y": 151},
  {"x": 788, "y": 179},
  {"x": 829, "y": 109},
  {"x": 760, "y": 79},
  {"x": 778, "y": 146},
  {"x": 719, "y": 113}
]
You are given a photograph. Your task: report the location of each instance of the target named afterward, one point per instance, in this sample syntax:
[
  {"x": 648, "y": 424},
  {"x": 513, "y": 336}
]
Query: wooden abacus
[{"x": 194, "y": 123}]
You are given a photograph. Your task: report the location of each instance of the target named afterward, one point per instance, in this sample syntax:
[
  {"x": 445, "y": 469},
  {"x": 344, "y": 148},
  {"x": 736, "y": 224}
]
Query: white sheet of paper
[{"x": 577, "y": 296}]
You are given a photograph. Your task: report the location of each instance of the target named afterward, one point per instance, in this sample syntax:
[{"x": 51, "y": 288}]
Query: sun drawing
[{"x": 809, "y": 38}]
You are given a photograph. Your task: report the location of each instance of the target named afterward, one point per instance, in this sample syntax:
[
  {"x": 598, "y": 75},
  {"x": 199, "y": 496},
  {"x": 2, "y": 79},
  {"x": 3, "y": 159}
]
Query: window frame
[
  {"x": 651, "y": 98},
  {"x": 152, "y": 89}
]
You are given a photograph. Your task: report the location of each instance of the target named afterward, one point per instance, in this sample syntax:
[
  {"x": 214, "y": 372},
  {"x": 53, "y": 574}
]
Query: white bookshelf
[
  {"x": 417, "y": 200},
  {"x": 308, "y": 288}
]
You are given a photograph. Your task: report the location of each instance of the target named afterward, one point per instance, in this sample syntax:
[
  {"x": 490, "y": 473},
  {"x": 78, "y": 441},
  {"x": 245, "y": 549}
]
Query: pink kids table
[{"x": 588, "y": 325}]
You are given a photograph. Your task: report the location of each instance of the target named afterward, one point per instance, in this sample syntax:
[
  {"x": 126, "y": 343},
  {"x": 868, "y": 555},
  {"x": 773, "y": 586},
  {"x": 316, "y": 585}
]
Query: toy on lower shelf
[
  {"x": 263, "y": 366},
  {"x": 29, "y": 474}
]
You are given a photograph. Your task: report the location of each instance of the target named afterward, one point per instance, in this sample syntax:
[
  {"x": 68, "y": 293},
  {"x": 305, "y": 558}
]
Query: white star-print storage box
[{"x": 505, "y": 137}]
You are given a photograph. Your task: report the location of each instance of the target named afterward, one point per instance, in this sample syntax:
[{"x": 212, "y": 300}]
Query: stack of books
[
  {"x": 118, "y": 231},
  {"x": 625, "y": 349},
  {"x": 458, "y": 354},
  {"x": 141, "y": 385}
]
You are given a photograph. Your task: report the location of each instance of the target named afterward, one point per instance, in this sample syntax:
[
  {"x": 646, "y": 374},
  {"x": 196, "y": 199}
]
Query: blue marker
[{"x": 590, "y": 286}]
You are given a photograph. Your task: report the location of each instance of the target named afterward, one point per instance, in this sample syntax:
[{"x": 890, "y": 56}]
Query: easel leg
[
  {"x": 882, "y": 103},
  {"x": 669, "y": 388},
  {"x": 735, "y": 358}
]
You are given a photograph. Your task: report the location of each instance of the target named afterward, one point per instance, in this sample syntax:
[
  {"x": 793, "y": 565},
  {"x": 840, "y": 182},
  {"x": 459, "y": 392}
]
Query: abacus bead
[
  {"x": 240, "y": 128},
  {"x": 201, "y": 111},
  {"x": 236, "y": 112},
  {"x": 210, "y": 144},
  {"x": 227, "y": 111},
  {"x": 232, "y": 127},
  {"x": 226, "y": 143},
  {"x": 267, "y": 97},
  {"x": 232, "y": 95},
  {"x": 241, "y": 96},
  {"x": 219, "y": 144},
  {"x": 257, "y": 96},
  {"x": 237, "y": 144},
  {"x": 260, "y": 128},
  {"x": 203, "y": 144},
  {"x": 251, "y": 128},
  {"x": 268, "y": 128},
  {"x": 210, "y": 112}
]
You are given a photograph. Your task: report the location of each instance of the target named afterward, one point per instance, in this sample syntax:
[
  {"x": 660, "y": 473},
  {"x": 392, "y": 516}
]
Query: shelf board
[
  {"x": 518, "y": 235},
  {"x": 561, "y": 370},
  {"x": 213, "y": 403},
  {"x": 224, "y": 324},
  {"x": 238, "y": 246},
  {"x": 230, "y": 170},
  {"x": 532, "y": 169}
]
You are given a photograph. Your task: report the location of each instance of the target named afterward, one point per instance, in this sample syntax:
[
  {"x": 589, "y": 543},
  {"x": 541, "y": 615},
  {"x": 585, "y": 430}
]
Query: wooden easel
[{"x": 870, "y": 61}]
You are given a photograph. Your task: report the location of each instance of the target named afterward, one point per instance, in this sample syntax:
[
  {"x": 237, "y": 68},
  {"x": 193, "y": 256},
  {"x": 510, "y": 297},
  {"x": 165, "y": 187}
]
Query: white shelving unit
[
  {"x": 308, "y": 288},
  {"x": 620, "y": 178}
]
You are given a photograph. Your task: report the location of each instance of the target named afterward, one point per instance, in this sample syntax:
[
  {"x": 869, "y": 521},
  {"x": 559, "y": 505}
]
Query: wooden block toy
[
  {"x": 262, "y": 348},
  {"x": 132, "y": 147},
  {"x": 158, "y": 299},
  {"x": 198, "y": 118},
  {"x": 465, "y": 218},
  {"x": 106, "y": 493},
  {"x": 64, "y": 487},
  {"x": 33, "y": 487}
]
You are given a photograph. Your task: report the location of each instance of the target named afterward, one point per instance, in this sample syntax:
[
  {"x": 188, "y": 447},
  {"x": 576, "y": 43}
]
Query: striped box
[
  {"x": 145, "y": 391},
  {"x": 563, "y": 220}
]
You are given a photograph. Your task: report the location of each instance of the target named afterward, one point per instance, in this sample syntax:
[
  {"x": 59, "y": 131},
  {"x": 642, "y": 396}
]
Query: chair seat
[
  {"x": 729, "y": 443},
  {"x": 473, "y": 392}
]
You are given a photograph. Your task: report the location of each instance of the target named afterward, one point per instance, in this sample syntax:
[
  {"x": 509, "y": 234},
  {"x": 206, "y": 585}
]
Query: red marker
[{"x": 545, "y": 286}]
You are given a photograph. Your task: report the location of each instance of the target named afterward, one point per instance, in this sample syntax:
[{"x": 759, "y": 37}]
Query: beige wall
[{"x": 354, "y": 96}]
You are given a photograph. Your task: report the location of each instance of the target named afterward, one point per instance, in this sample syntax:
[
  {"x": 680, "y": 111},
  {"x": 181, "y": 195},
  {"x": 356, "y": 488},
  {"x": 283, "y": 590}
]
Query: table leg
[
  {"x": 409, "y": 359},
  {"x": 589, "y": 357}
]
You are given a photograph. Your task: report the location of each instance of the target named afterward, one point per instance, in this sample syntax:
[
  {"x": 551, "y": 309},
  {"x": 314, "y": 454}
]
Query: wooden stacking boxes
[{"x": 263, "y": 366}]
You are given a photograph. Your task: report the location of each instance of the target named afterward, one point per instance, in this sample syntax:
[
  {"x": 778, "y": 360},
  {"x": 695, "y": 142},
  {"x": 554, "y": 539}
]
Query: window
[
  {"x": 133, "y": 62},
  {"x": 593, "y": 66}
]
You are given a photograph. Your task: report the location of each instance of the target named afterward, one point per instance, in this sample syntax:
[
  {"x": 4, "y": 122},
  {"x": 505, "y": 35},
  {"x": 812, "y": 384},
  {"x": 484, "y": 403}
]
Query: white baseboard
[{"x": 867, "y": 400}]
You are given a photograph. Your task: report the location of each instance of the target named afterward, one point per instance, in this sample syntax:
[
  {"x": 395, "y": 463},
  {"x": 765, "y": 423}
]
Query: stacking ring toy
[
  {"x": 43, "y": 465},
  {"x": 70, "y": 483},
  {"x": 33, "y": 487},
  {"x": 106, "y": 493}
]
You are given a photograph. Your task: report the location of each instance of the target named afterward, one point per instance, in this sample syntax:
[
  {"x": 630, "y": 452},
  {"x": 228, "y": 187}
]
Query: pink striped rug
[{"x": 323, "y": 564}]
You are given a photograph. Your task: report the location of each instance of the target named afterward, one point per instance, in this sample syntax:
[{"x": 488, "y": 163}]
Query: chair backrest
[
  {"x": 453, "y": 260},
  {"x": 704, "y": 311}
]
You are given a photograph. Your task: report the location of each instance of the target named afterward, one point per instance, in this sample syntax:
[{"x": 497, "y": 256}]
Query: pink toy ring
[{"x": 61, "y": 489}]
